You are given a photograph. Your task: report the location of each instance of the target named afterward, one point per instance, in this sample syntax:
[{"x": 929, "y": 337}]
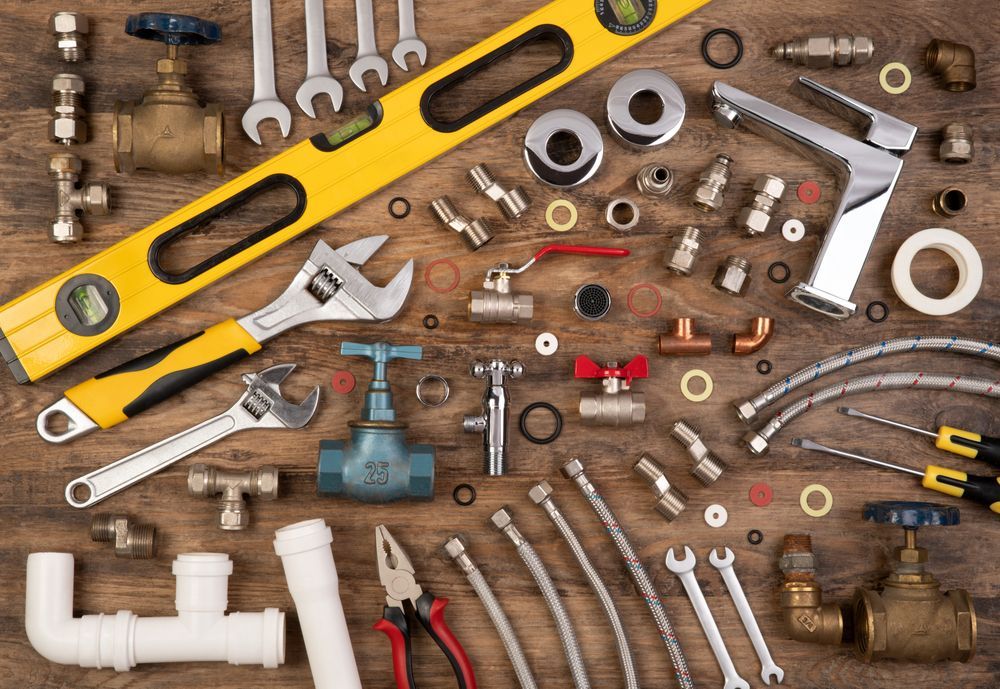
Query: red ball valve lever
[{"x": 616, "y": 404}]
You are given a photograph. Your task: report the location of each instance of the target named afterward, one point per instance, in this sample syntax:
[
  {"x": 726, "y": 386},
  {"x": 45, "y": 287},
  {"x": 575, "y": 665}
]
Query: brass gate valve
[
  {"x": 496, "y": 303},
  {"x": 616, "y": 405},
  {"x": 169, "y": 130}
]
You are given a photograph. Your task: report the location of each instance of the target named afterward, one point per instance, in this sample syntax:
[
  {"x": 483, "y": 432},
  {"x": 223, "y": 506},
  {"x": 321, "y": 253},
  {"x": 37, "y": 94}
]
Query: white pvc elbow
[
  {"x": 304, "y": 549},
  {"x": 201, "y": 631}
]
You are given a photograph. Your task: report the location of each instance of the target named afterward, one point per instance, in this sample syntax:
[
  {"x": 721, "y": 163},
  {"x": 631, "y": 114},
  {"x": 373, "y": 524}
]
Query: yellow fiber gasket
[
  {"x": 686, "y": 380},
  {"x": 883, "y": 78},
  {"x": 822, "y": 490},
  {"x": 550, "y": 215}
]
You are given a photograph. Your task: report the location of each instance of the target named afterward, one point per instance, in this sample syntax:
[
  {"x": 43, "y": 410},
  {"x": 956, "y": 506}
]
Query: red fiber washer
[
  {"x": 343, "y": 382},
  {"x": 442, "y": 262},
  {"x": 809, "y": 192},
  {"x": 761, "y": 494}
]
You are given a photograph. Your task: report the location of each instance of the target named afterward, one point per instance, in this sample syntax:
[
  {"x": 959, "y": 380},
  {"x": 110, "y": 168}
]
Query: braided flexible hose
[
  {"x": 574, "y": 470},
  {"x": 748, "y": 410},
  {"x": 757, "y": 441},
  {"x": 541, "y": 494}
]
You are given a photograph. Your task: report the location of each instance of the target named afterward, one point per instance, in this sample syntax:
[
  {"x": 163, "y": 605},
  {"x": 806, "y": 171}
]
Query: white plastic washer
[
  {"x": 546, "y": 344},
  {"x": 961, "y": 251},
  {"x": 793, "y": 230},
  {"x": 716, "y": 516}
]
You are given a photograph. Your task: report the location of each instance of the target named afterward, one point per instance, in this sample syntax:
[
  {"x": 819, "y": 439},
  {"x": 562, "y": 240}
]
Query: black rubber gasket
[
  {"x": 431, "y": 322},
  {"x": 729, "y": 33},
  {"x": 877, "y": 304},
  {"x": 399, "y": 200},
  {"x": 523, "y": 423},
  {"x": 755, "y": 536},
  {"x": 764, "y": 366},
  {"x": 774, "y": 267},
  {"x": 456, "y": 494}
]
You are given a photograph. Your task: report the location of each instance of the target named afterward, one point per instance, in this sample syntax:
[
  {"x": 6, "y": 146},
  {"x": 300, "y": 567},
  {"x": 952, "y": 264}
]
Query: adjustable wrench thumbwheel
[
  {"x": 368, "y": 59},
  {"x": 318, "y": 78},
  {"x": 266, "y": 104},
  {"x": 408, "y": 41}
]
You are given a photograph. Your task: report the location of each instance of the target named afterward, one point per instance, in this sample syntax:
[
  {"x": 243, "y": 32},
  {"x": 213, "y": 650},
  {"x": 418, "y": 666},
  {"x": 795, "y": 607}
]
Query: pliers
[{"x": 395, "y": 572}]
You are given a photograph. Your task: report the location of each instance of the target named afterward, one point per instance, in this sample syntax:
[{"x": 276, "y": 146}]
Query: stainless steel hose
[
  {"x": 748, "y": 410},
  {"x": 757, "y": 441},
  {"x": 574, "y": 470},
  {"x": 503, "y": 520},
  {"x": 541, "y": 494},
  {"x": 456, "y": 550}
]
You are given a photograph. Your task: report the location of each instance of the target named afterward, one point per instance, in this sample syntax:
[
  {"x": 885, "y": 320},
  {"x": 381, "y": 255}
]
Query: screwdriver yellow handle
[
  {"x": 982, "y": 489},
  {"x": 945, "y": 441},
  {"x": 135, "y": 386}
]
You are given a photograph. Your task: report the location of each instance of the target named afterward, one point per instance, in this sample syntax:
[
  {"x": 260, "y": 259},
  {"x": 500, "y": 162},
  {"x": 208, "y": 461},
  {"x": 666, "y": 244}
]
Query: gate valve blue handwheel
[
  {"x": 172, "y": 29},
  {"x": 377, "y": 465},
  {"x": 616, "y": 404}
]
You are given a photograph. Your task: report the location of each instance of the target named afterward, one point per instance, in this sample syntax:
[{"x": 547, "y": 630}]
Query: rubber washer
[
  {"x": 399, "y": 201},
  {"x": 755, "y": 536},
  {"x": 466, "y": 488},
  {"x": 729, "y": 33},
  {"x": 822, "y": 490},
  {"x": 883, "y": 78},
  {"x": 808, "y": 192},
  {"x": 772, "y": 272},
  {"x": 343, "y": 382},
  {"x": 442, "y": 262},
  {"x": 523, "y": 423},
  {"x": 764, "y": 366},
  {"x": 761, "y": 494},
  {"x": 877, "y": 305},
  {"x": 431, "y": 322},
  {"x": 638, "y": 288}
]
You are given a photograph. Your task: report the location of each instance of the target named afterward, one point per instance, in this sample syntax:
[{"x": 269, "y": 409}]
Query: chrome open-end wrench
[
  {"x": 408, "y": 41},
  {"x": 368, "y": 59},
  {"x": 725, "y": 566},
  {"x": 265, "y": 104},
  {"x": 261, "y": 406},
  {"x": 318, "y": 78},
  {"x": 684, "y": 569}
]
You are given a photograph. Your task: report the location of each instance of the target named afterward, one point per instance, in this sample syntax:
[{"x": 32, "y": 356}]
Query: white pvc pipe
[
  {"x": 304, "y": 549},
  {"x": 201, "y": 631}
]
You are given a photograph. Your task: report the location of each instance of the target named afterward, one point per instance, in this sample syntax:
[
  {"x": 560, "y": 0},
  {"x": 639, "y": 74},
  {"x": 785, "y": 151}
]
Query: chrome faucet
[{"x": 867, "y": 170}]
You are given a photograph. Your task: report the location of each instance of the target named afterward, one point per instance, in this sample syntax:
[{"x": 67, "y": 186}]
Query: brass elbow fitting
[
  {"x": 955, "y": 63},
  {"x": 807, "y": 618},
  {"x": 207, "y": 481},
  {"x": 761, "y": 330},
  {"x": 683, "y": 341}
]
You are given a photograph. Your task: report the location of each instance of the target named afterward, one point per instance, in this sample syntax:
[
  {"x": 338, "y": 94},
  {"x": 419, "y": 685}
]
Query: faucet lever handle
[{"x": 881, "y": 129}]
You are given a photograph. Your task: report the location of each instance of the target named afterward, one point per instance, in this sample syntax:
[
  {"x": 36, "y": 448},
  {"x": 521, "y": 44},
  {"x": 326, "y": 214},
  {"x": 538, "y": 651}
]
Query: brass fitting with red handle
[
  {"x": 496, "y": 303},
  {"x": 616, "y": 404}
]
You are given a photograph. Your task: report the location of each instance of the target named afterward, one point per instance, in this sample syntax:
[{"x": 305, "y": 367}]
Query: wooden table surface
[{"x": 851, "y": 552}]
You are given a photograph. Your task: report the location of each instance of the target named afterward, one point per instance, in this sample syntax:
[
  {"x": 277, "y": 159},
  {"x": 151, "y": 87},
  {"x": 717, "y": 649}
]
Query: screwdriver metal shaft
[{"x": 807, "y": 444}]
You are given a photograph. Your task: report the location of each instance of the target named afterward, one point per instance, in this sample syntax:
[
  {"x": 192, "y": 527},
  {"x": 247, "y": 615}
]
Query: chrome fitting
[
  {"x": 710, "y": 193},
  {"x": 826, "y": 51},
  {"x": 733, "y": 276},
  {"x": 494, "y": 420},
  {"x": 503, "y": 521},
  {"x": 67, "y": 125},
  {"x": 512, "y": 203},
  {"x": 622, "y": 214},
  {"x": 476, "y": 232},
  {"x": 755, "y": 218},
  {"x": 134, "y": 541},
  {"x": 654, "y": 180},
  {"x": 956, "y": 144},
  {"x": 949, "y": 202},
  {"x": 207, "y": 481},
  {"x": 746, "y": 411},
  {"x": 569, "y": 123},
  {"x": 630, "y": 132},
  {"x": 708, "y": 466},
  {"x": 756, "y": 442},
  {"x": 70, "y": 30},
  {"x": 683, "y": 252},
  {"x": 541, "y": 495},
  {"x": 74, "y": 199},
  {"x": 455, "y": 548},
  {"x": 670, "y": 501}
]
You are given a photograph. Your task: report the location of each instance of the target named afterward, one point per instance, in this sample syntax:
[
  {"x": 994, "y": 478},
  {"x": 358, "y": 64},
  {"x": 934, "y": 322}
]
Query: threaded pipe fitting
[
  {"x": 140, "y": 543},
  {"x": 708, "y": 466},
  {"x": 683, "y": 252},
  {"x": 654, "y": 180},
  {"x": 475, "y": 233},
  {"x": 733, "y": 276},
  {"x": 512, "y": 203},
  {"x": 670, "y": 500},
  {"x": 956, "y": 144},
  {"x": 710, "y": 193},
  {"x": 755, "y": 217},
  {"x": 134, "y": 541},
  {"x": 102, "y": 528},
  {"x": 826, "y": 51},
  {"x": 70, "y": 30},
  {"x": 67, "y": 124},
  {"x": 949, "y": 202}
]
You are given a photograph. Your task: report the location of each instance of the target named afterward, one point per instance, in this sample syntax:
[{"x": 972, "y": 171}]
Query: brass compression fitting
[{"x": 826, "y": 51}]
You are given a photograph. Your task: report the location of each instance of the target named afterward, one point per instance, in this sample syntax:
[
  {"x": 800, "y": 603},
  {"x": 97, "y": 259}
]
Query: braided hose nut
[
  {"x": 708, "y": 466},
  {"x": 512, "y": 203},
  {"x": 671, "y": 501},
  {"x": 475, "y": 233},
  {"x": 654, "y": 180},
  {"x": 133, "y": 541},
  {"x": 710, "y": 193}
]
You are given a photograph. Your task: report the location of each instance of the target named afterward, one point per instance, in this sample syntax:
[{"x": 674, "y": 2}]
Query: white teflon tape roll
[{"x": 960, "y": 249}]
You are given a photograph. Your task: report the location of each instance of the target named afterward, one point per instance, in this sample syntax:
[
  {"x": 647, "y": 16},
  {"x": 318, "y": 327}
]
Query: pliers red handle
[{"x": 430, "y": 612}]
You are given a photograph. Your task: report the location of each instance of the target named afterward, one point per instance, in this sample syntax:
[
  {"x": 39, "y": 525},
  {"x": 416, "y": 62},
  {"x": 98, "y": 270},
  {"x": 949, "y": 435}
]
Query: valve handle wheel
[
  {"x": 587, "y": 368},
  {"x": 381, "y": 352},
  {"x": 911, "y": 514},
  {"x": 172, "y": 29}
]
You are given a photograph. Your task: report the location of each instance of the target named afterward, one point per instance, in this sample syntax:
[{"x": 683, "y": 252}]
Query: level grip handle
[
  {"x": 133, "y": 387},
  {"x": 586, "y": 250}
]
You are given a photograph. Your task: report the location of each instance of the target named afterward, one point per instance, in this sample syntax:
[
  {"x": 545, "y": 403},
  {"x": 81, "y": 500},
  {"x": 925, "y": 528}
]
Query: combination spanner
[
  {"x": 408, "y": 41},
  {"x": 328, "y": 287},
  {"x": 684, "y": 569},
  {"x": 318, "y": 78},
  {"x": 368, "y": 59},
  {"x": 266, "y": 104},
  {"x": 725, "y": 567},
  {"x": 261, "y": 406}
]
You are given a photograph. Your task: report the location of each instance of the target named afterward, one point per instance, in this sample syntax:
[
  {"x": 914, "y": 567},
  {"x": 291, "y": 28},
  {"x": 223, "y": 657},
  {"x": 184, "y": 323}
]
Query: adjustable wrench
[
  {"x": 261, "y": 406},
  {"x": 368, "y": 58},
  {"x": 725, "y": 567},
  {"x": 684, "y": 569},
  {"x": 318, "y": 77},
  {"x": 408, "y": 41},
  {"x": 329, "y": 287},
  {"x": 265, "y": 104}
]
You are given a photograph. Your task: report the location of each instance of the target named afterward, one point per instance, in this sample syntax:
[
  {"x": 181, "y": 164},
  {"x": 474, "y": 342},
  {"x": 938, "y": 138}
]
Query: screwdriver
[
  {"x": 982, "y": 489},
  {"x": 954, "y": 440}
]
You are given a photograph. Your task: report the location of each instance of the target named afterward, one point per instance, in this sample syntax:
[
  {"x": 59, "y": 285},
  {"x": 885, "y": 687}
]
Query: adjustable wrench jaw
[{"x": 265, "y": 405}]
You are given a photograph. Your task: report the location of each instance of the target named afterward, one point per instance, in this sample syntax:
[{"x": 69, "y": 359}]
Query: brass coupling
[
  {"x": 512, "y": 203},
  {"x": 826, "y": 51},
  {"x": 475, "y": 233},
  {"x": 208, "y": 481},
  {"x": 760, "y": 333},
  {"x": 74, "y": 199},
  {"x": 67, "y": 125},
  {"x": 710, "y": 193},
  {"x": 733, "y": 276},
  {"x": 955, "y": 63},
  {"x": 134, "y": 541},
  {"x": 755, "y": 217},
  {"x": 682, "y": 340},
  {"x": 70, "y": 30},
  {"x": 670, "y": 500},
  {"x": 956, "y": 144}
]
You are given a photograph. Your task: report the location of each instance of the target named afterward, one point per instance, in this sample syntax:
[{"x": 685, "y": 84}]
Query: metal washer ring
[
  {"x": 822, "y": 490},
  {"x": 541, "y": 164},
  {"x": 436, "y": 378},
  {"x": 686, "y": 380},
  {"x": 609, "y": 214},
  {"x": 716, "y": 516},
  {"x": 546, "y": 344},
  {"x": 883, "y": 78}
]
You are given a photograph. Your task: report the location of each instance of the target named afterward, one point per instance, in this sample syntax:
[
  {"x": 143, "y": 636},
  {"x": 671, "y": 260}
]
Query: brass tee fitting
[
  {"x": 761, "y": 330},
  {"x": 682, "y": 340},
  {"x": 207, "y": 481},
  {"x": 955, "y": 63},
  {"x": 71, "y": 197}
]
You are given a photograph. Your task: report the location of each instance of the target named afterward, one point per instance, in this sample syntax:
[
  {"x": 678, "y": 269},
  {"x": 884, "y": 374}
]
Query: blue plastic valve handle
[
  {"x": 911, "y": 515},
  {"x": 172, "y": 29}
]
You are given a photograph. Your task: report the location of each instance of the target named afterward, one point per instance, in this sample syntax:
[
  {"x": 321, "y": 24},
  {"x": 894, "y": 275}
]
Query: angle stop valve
[
  {"x": 497, "y": 304},
  {"x": 376, "y": 465},
  {"x": 616, "y": 404}
]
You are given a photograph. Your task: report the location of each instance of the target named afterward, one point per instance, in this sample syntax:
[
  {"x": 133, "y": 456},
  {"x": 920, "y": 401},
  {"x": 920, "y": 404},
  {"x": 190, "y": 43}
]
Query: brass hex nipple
[
  {"x": 512, "y": 203},
  {"x": 956, "y": 144},
  {"x": 476, "y": 232},
  {"x": 670, "y": 501},
  {"x": 710, "y": 193},
  {"x": 683, "y": 251},
  {"x": 708, "y": 466},
  {"x": 134, "y": 541},
  {"x": 826, "y": 51}
]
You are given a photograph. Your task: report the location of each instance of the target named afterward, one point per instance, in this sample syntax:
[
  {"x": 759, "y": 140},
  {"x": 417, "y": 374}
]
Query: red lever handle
[
  {"x": 430, "y": 612},
  {"x": 586, "y": 250},
  {"x": 587, "y": 368},
  {"x": 394, "y": 625}
]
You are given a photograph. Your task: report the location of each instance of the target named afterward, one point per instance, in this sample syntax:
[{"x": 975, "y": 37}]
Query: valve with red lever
[
  {"x": 616, "y": 405},
  {"x": 497, "y": 304}
]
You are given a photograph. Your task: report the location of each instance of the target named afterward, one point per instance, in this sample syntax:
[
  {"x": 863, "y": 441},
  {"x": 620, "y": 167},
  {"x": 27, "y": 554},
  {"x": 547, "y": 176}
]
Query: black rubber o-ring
[
  {"x": 524, "y": 423},
  {"x": 772, "y": 272},
  {"x": 755, "y": 536},
  {"x": 729, "y": 33},
  {"x": 431, "y": 321},
  {"x": 393, "y": 202},
  {"x": 885, "y": 311},
  {"x": 764, "y": 367},
  {"x": 456, "y": 494}
]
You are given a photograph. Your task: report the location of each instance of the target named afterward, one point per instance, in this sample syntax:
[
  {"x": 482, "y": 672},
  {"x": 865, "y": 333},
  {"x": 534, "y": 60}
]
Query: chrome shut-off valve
[
  {"x": 494, "y": 421},
  {"x": 616, "y": 404}
]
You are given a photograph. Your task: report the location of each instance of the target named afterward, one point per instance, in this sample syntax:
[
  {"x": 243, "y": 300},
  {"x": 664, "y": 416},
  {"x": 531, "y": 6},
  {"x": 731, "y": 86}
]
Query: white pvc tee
[
  {"x": 201, "y": 631},
  {"x": 304, "y": 549}
]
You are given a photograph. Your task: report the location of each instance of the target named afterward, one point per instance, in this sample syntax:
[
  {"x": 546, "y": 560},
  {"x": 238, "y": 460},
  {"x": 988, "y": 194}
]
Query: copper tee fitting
[
  {"x": 683, "y": 341},
  {"x": 761, "y": 330}
]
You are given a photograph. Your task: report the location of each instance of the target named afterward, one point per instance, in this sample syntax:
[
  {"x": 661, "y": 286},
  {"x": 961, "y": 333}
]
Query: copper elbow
[
  {"x": 683, "y": 341},
  {"x": 955, "y": 63},
  {"x": 761, "y": 330}
]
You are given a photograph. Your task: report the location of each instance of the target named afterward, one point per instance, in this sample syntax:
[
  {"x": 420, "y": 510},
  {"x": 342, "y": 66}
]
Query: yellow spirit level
[{"x": 105, "y": 296}]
